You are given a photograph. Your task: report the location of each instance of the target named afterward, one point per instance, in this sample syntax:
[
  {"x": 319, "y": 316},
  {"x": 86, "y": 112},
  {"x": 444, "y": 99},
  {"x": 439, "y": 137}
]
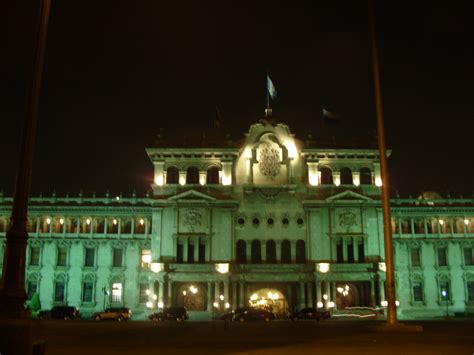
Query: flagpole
[
  {"x": 387, "y": 228},
  {"x": 268, "y": 93}
]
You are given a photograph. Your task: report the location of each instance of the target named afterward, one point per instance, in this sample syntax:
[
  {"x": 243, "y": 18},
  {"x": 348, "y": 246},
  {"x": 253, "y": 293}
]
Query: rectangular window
[
  {"x": 59, "y": 287},
  {"x": 442, "y": 257},
  {"x": 87, "y": 288},
  {"x": 361, "y": 252},
  {"x": 350, "y": 253},
  {"x": 62, "y": 257},
  {"x": 90, "y": 257},
  {"x": 32, "y": 287},
  {"x": 415, "y": 257},
  {"x": 143, "y": 293},
  {"x": 179, "y": 253},
  {"x": 34, "y": 255},
  {"x": 470, "y": 291},
  {"x": 202, "y": 253},
  {"x": 444, "y": 290},
  {"x": 117, "y": 257},
  {"x": 417, "y": 292},
  {"x": 468, "y": 259},
  {"x": 146, "y": 258},
  {"x": 190, "y": 253},
  {"x": 339, "y": 253},
  {"x": 117, "y": 292}
]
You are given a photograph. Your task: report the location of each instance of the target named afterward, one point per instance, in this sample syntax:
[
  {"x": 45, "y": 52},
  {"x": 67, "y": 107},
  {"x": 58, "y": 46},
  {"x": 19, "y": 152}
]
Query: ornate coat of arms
[
  {"x": 347, "y": 219},
  {"x": 192, "y": 219},
  {"x": 269, "y": 164}
]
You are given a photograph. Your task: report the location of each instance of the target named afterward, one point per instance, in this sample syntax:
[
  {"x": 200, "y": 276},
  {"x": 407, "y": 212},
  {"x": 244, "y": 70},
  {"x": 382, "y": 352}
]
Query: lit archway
[
  {"x": 192, "y": 297},
  {"x": 271, "y": 299}
]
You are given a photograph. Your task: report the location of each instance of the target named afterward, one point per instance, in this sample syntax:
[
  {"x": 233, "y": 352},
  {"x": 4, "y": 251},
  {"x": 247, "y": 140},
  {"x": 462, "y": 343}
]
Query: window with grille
[
  {"x": 442, "y": 257},
  {"x": 87, "y": 289},
  {"x": 59, "y": 288},
  {"x": 468, "y": 256},
  {"x": 470, "y": 291},
  {"x": 90, "y": 257},
  {"x": 117, "y": 257},
  {"x": 34, "y": 255},
  {"x": 417, "y": 291},
  {"x": 415, "y": 257},
  {"x": 62, "y": 257}
]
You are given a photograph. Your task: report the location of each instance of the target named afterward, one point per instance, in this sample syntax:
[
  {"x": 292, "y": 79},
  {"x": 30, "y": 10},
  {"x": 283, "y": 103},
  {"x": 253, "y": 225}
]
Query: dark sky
[{"x": 118, "y": 71}]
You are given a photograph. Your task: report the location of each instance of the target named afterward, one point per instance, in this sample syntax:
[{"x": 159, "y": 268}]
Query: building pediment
[
  {"x": 191, "y": 195},
  {"x": 348, "y": 196}
]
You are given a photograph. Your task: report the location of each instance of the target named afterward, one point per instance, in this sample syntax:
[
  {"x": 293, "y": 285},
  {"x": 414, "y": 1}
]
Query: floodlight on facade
[
  {"x": 323, "y": 267},
  {"x": 48, "y": 220},
  {"x": 331, "y": 304},
  {"x": 320, "y": 305},
  {"x": 157, "y": 267},
  {"x": 160, "y": 304},
  {"x": 61, "y": 221},
  {"x": 227, "y": 305},
  {"x": 466, "y": 221},
  {"x": 382, "y": 267},
  {"x": 440, "y": 221},
  {"x": 193, "y": 289},
  {"x": 222, "y": 268},
  {"x": 378, "y": 182},
  {"x": 221, "y": 297},
  {"x": 149, "y": 305}
]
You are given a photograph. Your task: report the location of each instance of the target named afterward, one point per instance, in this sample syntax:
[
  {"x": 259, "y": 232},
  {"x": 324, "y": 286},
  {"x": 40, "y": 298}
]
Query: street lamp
[
  {"x": 106, "y": 293},
  {"x": 445, "y": 295}
]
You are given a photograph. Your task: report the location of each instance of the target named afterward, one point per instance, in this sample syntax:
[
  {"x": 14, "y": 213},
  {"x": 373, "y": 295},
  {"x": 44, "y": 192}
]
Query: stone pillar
[
  {"x": 106, "y": 226},
  {"x": 356, "y": 178},
  {"x": 355, "y": 245},
  {"x": 170, "y": 293},
  {"x": 301, "y": 295},
  {"x": 209, "y": 296},
  {"x": 313, "y": 176},
  {"x": 344, "y": 249},
  {"x": 309, "y": 287},
  {"x": 372, "y": 292},
  {"x": 182, "y": 177},
  {"x": 208, "y": 250},
  {"x": 336, "y": 177},
  {"x": 226, "y": 293},
  {"x": 185, "y": 249},
  {"x": 278, "y": 251},
  {"x": 412, "y": 226},
  {"x": 78, "y": 226},
  {"x": 333, "y": 293},
  {"x": 202, "y": 177},
  {"x": 241, "y": 294},
  {"x": 249, "y": 171},
  {"x": 217, "y": 291},
  {"x": 319, "y": 294},
  {"x": 234, "y": 295},
  {"x": 264, "y": 252},
  {"x": 248, "y": 248},
  {"x": 226, "y": 173},
  {"x": 293, "y": 251},
  {"x": 160, "y": 292},
  {"x": 196, "y": 249},
  {"x": 382, "y": 290},
  {"x": 158, "y": 178}
]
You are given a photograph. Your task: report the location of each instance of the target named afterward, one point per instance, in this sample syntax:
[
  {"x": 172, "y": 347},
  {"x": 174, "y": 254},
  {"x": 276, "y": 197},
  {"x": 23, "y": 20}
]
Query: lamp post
[
  {"x": 12, "y": 291},
  {"x": 106, "y": 293},
  {"x": 444, "y": 293}
]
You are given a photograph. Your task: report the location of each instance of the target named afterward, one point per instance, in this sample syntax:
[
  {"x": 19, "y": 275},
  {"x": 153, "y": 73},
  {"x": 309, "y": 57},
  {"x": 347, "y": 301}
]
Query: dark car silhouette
[
  {"x": 173, "y": 313},
  {"x": 310, "y": 313},
  {"x": 253, "y": 314},
  {"x": 59, "y": 312}
]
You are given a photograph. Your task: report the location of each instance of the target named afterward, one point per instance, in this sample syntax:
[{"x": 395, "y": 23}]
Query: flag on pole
[{"x": 271, "y": 88}]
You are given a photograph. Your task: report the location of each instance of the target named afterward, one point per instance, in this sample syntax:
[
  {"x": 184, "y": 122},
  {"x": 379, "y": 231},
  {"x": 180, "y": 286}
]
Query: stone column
[
  {"x": 226, "y": 173},
  {"x": 278, "y": 251},
  {"x": 249, "y": 171},
  {"x": 106, "y": 226},
  {"x": 333, "y": 293},
  {"x": 217, "y": 291},
  {"x": 412, "y": 226},
  {"x": 309, "y": 287},
  {"x": 182, "y": 177},
  {"x": 356, "y": 178},
  {"x": 336, "y": 177},
  {"x": 313, "y": 173},
  {"x": 209, "y": 296},
  {"x": 196, "y": 249},
  {"x": 344, "y": 249},
  {"x": 234, "y": 295},
  {"x": 78, "y": 226},
  {"x": 208, "y": 250},
  {"x": 202, "y": 177},
  {"x": 382, "y": 290},
  {"x": 185, "y": 249},
  {"x": 372, "y": 292},
  {"x": 293, "y": 251},
  {"x": 301, "y": 295},
  {"x": 319, "y": 294},
  {"x": 264, "y": 251},
  {"x": 241, "y": 294},
  {"x": 170, "y": 293},
  {"x": 355, "y": 245},
  {"x": 248, "y": 248},
  {"x": 226, "y": 293},
  {"x": 160, "y": 292}
]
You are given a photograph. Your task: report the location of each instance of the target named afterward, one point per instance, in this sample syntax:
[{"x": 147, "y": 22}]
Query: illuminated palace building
[{"x": 270, "y": 220}]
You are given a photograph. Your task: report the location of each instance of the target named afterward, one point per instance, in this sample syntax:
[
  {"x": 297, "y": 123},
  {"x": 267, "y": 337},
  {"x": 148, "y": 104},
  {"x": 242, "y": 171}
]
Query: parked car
[
  {"x": 253, "y": 314},
  {"x": 113, "y": 313},
  {"x": 310, "y": 313},
  {"x": 229, "y": 316},
  {"x": 173, "y": 313},
  {"x": 59, "y": 312}
]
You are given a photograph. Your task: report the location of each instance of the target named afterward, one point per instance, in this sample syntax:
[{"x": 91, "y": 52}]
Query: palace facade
[{"x": 270, "y": 221}]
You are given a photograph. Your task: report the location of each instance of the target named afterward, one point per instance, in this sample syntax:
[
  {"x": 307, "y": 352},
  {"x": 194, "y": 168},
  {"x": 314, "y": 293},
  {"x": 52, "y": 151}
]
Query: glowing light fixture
[
  {"x": 323, "y": 267},
  {"x": 61, "y": 221},
  {"x": 48, "y": 220},
  {"x": 159, "y": 180},
  {"x": 216, "y": 305},
  {"x": 147, "y": 292},
  {"x": 114, "y": 222},
  {"x": 221, "y": 297},
  {"x": 142, "y": 221},
  {"x": 466, "y": 221},
  {"x": 222, "y": 268},
  {"x": 193, "y": 289},
  {"x": 146, "y": 256},
  {"x": 88, "y": 221},
  {"x": 254, "y": 297},
  {"x": 340, "y": 289},
  {"x": 117, "y": 198},
  {"x": 378, "y": 182},
  {"x": 184, "y": 293},
  {"x": 397, "y": 303},
  {"x": 331, "y": 304},
  {"x": 160, "y": 304},
  {"x": 441, "y": 221},
  {"x": 155, "y": 297},
  {"x": 227, "y": 305},
  {"x": 384, "y": 303},
  {"x": 325, "y": 297},
  {"x": 292, "y": 151},
  {"x": 157, "y": 267},
  {"x": 320, "y": 305},
  {"x": 149, "y": 304},
  {"x": 383, "y": 267}
]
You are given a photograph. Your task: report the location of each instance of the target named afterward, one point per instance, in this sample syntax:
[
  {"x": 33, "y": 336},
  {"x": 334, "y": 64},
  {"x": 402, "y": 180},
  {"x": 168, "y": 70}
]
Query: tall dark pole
[
  {"x": 387, "y": 228},
  {"x": 12, "y": 291}
]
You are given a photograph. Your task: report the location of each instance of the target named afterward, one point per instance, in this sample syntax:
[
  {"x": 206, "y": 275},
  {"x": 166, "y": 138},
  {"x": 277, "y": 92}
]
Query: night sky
[{"x": 118, "y": 71}]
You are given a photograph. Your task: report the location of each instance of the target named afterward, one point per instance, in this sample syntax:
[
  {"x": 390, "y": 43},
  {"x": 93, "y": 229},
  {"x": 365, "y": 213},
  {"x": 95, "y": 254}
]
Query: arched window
[
  {"x": 212, "y": 177},
  {"x": 172, "y": 175},
  {"x": 286, "y": 252},
  {"x": 326, "y": 176},
  {"x": 300, "y": 252},
  {"x": 192, "y": 176},
  {"x": 241, "y": 250},
  {"x": 256, "y": 252},
  {"x": 365, "y": 176},
  {"x": 346, "y": 176},
  {"x": 271, "y": 252}
]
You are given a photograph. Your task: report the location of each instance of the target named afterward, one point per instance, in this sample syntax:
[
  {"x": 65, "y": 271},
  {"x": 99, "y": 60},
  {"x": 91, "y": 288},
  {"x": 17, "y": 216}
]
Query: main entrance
[{"x": 270, "y": 299}]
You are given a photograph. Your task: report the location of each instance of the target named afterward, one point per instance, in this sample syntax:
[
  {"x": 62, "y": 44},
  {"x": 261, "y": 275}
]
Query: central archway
[{"x": 271, "y": 299}]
